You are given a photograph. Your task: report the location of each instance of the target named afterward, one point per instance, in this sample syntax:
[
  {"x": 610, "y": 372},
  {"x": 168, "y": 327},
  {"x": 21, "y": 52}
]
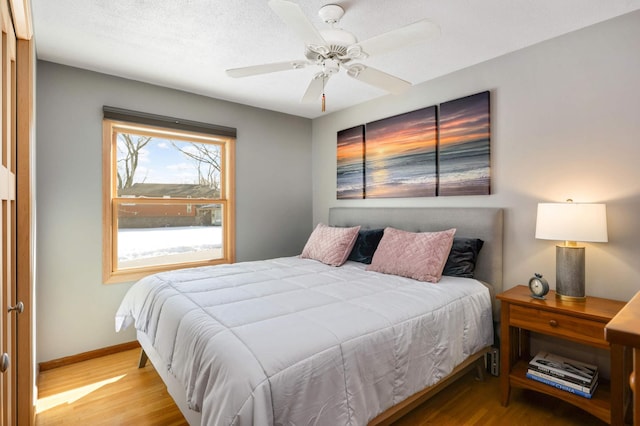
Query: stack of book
[{"x": 563, "y": 373}]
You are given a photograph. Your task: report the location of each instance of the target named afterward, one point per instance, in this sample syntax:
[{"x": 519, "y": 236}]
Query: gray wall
[
  {"x": 75, "y": 311},
  {"x": 565, "y": 118},
  {"x": 564, "y": 124}
]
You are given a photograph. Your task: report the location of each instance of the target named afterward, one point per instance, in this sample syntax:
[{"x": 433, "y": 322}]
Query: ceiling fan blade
[
  {"x": 316, "y": 87},
  {"x": 405, "y": 36},
  {"x": 293, "y": 16},
  {"x": 265, "y": 68},
  {"x": 378, "y": 79}
]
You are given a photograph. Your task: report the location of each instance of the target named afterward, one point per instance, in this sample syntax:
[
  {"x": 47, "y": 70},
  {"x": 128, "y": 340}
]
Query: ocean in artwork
[
  {"x": 350, "y": 167},
  {"x": 464, "y": 146},
  {"x": 464, "y": 169},
  {"x": 400, "y": 155}
]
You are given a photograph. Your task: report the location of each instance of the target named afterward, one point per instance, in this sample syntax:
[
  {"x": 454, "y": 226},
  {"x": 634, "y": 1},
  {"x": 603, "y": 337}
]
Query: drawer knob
[
  {"x": 632, "y": 381},
  {"x": 553, "y": 323}
]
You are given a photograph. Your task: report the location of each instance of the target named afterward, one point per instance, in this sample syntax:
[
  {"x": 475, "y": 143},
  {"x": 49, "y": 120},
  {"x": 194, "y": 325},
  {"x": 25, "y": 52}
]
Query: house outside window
[{"x": 167, "y": 195}]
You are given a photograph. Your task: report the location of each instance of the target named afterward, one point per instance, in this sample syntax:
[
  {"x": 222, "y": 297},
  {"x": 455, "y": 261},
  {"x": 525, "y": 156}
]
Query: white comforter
[{"x": 292, "y": 341}]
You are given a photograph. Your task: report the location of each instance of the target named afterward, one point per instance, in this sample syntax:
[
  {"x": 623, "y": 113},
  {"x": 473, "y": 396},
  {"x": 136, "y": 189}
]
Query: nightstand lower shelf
[{"x": 599, "y": 405}]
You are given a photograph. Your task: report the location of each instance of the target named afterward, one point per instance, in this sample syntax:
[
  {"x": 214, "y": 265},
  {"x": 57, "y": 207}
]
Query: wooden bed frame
[
  {"x": 397, "y": 411},
  {"x": 483, "y": 223}
]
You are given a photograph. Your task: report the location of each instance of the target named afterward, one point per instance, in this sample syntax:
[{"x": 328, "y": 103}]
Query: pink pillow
[
  {"x": 330, "y": 245},
  {"x": 417, "y": 255}
]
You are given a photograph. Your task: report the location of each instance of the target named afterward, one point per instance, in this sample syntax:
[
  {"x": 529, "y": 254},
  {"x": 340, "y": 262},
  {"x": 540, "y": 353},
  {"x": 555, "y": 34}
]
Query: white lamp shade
[{"x": 572, "y": 222}]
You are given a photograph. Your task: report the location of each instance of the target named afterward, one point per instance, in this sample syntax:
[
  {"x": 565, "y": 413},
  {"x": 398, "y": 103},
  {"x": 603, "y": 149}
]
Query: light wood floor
[{"x": 112, "y": 391}]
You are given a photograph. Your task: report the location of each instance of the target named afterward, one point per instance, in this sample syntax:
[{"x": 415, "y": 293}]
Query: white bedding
[{"x": 292, "y": 341}]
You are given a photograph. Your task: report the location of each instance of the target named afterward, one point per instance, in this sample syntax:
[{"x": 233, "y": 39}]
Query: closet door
[{"x": 9, "y": 306}]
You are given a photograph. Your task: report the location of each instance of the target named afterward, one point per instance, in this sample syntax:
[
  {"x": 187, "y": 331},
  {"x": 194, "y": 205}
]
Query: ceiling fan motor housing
[{"x": 338, "y": 40}]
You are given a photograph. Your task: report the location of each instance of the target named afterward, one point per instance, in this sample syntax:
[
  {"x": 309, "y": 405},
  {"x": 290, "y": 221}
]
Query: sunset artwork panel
[
  {"x": 463, "y": 150},
  {"x": 400, "y": 155},
  {"x": 350, "y": 168}
]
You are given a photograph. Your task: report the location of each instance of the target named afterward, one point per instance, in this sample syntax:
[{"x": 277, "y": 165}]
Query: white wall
[
  {"x": 565, "y": 123},
  {"x": 75, "y": 311}
]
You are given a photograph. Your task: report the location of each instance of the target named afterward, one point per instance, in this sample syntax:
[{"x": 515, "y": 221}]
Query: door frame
[{"x": 24, "y": 122}]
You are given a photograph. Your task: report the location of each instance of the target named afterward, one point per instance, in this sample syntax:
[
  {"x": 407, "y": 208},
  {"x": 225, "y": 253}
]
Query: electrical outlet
[{"x": 493, "y": 362}]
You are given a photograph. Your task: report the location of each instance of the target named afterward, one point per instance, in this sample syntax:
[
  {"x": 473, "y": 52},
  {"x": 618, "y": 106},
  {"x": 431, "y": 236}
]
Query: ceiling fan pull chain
[{"x": 323, "y": 97}]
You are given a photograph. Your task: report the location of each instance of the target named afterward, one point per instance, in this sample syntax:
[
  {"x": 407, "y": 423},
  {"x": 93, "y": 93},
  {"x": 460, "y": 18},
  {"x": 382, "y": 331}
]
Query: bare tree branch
[
  {"x": 207, "y": 158},
  {"x": 129, "y": 163}
]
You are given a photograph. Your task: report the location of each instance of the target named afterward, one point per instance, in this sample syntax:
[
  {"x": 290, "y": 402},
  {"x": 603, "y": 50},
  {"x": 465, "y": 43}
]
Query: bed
[{"x": 296, "y": 341}]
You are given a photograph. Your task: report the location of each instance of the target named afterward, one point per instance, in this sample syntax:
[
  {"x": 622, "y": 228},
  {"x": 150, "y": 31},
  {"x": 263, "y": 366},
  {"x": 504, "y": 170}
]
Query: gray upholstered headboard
[{"x": 476, "y": 222}]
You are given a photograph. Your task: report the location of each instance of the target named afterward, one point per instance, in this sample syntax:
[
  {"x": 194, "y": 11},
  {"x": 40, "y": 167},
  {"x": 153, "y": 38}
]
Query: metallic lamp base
[
  {"x": 570, "y": 282},
  {"x": 570, "y": 298}
]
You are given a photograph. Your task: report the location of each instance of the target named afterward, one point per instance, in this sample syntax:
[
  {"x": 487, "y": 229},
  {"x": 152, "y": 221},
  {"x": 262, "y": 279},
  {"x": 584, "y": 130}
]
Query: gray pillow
[
  {"x": 366, "y": 244},
  {"x": 462, "y": 258}
]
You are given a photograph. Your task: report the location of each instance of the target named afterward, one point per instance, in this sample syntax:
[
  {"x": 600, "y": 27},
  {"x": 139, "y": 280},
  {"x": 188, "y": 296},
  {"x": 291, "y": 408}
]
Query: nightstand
[{"x": 581, "y": 322}]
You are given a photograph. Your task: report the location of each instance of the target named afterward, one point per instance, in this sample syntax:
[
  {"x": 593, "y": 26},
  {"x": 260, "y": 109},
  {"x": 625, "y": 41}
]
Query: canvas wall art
[
  {"x": 400, "y": 155},
  {"x": 438, "y": 150},
  {"x": 463, "y": 150},
  {"x": 350, "y": 184}
]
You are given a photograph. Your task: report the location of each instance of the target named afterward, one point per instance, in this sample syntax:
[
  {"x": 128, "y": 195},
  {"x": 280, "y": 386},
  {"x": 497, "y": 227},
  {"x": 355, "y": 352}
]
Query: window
[{"x": 167, "y": 194}]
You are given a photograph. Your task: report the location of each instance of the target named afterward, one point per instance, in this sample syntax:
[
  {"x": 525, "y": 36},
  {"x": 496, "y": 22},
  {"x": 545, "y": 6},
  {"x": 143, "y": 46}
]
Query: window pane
[
  {"x": 162, "y": 234},
  {"x": 149, "y": 166}
]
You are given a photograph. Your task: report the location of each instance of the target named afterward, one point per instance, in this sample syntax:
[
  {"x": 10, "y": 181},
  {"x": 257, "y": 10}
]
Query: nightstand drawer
[{"x": 558, "y": 324}]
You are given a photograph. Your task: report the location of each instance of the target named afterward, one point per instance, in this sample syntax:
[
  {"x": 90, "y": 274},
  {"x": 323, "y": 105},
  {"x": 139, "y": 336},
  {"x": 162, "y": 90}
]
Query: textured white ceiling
[{"x": 188, "y": 44}]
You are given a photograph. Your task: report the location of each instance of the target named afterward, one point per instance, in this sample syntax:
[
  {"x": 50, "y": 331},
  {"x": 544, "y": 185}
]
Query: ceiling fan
[{"x": 334, "y": 48}]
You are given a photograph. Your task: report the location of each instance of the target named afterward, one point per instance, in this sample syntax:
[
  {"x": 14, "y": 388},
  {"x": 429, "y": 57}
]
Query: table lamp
[{"x": 571, "y": 222}]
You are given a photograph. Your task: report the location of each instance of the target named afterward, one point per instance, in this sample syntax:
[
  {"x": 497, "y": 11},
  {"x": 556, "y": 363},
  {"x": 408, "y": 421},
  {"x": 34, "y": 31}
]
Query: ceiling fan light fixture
[
  {"x": 355, "y": 70},
  {"x": 356, "y": 52},
  {"x": 330, "y": 66},
  {"x": 317, "y": 50}
]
